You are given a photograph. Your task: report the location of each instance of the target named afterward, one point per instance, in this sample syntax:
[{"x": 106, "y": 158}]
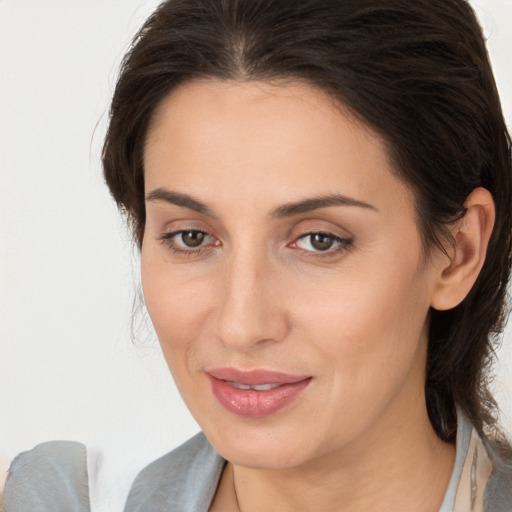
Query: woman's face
[{"x": 282, "y": 269}]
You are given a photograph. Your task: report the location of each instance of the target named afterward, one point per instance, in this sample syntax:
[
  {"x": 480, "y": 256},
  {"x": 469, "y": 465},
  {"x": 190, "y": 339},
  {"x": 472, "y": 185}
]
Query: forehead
[
  {"x": 266, "y": 141},
  {"x": 253, "y": 104}
]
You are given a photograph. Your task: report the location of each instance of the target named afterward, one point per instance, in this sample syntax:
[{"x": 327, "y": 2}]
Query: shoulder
[
  {"x": 51, "y": 476},
  {"x": 186, "y": 478},
  {"x": 498, "y": 492}
]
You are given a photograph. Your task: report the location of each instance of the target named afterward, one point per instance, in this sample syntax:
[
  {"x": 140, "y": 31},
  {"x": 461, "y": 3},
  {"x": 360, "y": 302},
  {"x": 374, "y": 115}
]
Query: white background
[{"x": 68, "y": 272}]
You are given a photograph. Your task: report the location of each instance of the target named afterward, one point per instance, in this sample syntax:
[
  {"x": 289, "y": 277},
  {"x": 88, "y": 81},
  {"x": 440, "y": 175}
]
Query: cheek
[
  {"x": 176, "y": 307},
  {"x": 370, "y": 331},
  {"x": 366, "y": 296}
]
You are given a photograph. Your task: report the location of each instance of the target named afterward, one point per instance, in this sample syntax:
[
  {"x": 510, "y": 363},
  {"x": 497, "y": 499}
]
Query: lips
[
  {"x": 255, "y": 393},
  {"x": 256, "y": 387}
]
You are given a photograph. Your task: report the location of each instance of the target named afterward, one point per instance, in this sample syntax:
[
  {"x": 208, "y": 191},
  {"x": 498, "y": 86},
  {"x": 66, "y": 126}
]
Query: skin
[{"x": 257, "y": 294}]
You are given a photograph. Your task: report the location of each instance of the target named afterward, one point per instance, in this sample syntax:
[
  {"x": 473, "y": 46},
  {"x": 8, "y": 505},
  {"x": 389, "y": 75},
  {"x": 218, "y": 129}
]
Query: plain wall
[{"x": 68, "y": 272}]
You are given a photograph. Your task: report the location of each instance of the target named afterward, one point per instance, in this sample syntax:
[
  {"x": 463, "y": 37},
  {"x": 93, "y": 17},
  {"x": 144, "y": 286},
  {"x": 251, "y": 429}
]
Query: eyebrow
[
  {"x": 180, "y": 199},
  {"x": 285, "y": 210},
  {"x": 307, "y": 205}
]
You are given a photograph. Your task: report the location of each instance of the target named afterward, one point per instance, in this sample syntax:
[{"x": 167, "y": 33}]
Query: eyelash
[
  {"x": 167, "y": 240},
  {"x": 340, "y": 244}
]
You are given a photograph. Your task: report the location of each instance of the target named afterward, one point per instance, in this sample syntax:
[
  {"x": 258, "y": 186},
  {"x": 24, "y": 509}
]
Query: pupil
[
  {"x": 192, "y": 238},
  {"x": 321, "y": 242}
]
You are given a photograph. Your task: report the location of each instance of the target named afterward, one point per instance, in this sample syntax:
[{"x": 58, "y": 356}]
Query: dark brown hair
[{"x": 415, "y": 71}]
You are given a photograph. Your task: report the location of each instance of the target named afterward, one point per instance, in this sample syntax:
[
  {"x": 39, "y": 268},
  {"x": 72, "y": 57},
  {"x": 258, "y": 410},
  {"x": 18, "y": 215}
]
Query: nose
[{"x": 251, "y": 313}]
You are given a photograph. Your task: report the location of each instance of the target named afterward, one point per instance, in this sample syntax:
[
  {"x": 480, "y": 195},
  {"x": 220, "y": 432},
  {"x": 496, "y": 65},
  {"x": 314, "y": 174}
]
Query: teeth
[
  {"x": 256, "y": 387},
  {"x": 237, "y": 385},
  {"x": 264, "y": 387}
]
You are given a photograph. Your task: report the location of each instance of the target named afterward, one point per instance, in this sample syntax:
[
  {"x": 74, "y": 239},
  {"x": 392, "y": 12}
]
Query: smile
[
  {"x": 255, "y": 393},
  {"x": 256, "y": 387}
]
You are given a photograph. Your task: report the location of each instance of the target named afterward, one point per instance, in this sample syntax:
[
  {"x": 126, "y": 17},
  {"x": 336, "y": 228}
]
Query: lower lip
[{"x": 252, "y": 403}]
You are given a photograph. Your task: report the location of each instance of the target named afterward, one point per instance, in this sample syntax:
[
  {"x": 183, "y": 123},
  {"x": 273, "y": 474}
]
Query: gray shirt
[
  {"x": 186, "y": 479},
  {"x": 53, "y": 478}
]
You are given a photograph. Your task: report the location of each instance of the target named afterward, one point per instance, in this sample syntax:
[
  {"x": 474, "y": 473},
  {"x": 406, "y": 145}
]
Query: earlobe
[{"x": 467, "y": 254}]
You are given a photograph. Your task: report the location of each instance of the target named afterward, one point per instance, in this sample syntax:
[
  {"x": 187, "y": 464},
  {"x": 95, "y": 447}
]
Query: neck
[{"x": 399, "y": 466}]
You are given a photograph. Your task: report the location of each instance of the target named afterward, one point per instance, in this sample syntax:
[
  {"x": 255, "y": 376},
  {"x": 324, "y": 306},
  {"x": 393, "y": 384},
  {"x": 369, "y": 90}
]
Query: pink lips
[{"x": 255, "y": 393}]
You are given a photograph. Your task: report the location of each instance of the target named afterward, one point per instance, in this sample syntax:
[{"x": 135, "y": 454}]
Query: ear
[{"x": 467, "y": 254}]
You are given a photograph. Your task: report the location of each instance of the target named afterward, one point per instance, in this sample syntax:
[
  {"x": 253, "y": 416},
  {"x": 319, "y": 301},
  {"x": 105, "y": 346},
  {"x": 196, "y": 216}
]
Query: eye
[
  {"x": 321, "y": 242},
  {"x": 188, "y": 240},
  {"x": 191, "y": 239}
]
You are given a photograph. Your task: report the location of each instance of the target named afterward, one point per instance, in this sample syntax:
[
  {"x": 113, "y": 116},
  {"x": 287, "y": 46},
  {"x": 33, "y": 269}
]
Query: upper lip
[{"x": 255, "y": 377}]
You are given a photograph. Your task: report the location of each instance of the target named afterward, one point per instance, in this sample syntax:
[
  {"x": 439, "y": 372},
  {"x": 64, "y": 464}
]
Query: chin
[
  {"x": 259, "y": 447},
  {"x": 263, "y": 457}
]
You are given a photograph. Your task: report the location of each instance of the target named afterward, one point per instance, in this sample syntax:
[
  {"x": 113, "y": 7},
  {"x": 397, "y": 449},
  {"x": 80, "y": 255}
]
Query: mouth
[
  {"x": 256, "y": 393},
  {"x": 256, "y": 387}
]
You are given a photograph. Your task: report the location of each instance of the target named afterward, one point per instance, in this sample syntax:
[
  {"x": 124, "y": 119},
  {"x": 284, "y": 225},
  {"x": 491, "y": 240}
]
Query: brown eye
[
  {"x": 192, "y": 238},
  {"x": 321, "y": 242},
  {"x": 189, "y": 241},
  {"x": 317, "y": 242}
]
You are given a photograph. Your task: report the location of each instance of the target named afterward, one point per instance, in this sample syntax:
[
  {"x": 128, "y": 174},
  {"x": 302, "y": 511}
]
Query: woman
[{"x": 321, "y": 192}]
